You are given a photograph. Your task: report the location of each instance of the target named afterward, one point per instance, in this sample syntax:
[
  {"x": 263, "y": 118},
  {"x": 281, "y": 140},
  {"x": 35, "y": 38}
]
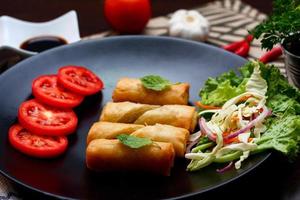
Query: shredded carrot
[
  {"x": 206, "y": 107},
  {"x": 245, "y": 98},
  {"x": 235, "y": 139},
  {"x": 225, "y": 133},
  {"x": 234, "y": 118}
]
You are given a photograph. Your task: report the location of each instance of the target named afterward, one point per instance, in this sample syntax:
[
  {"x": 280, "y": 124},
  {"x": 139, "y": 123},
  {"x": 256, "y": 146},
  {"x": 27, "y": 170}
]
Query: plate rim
[{"x": 114, "y": 38}]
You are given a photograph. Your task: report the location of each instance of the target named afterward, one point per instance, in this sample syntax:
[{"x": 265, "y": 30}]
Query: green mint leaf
[
  {"x": 134, "y": 142},
  {"x": 156, "y": 83}
]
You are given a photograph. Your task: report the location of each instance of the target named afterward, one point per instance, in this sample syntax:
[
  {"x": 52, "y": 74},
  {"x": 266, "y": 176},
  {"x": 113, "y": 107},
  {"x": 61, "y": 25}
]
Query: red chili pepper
[
  {"x": 233, "y": 46},
  {"x": 243, "y": 50},
  {"x": 271, "y": 55},
  {"x": 249, "y": 38}
]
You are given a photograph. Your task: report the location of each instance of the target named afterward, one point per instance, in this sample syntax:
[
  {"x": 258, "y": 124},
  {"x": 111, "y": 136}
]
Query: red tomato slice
[
  {"x": 46, "y": 90},
  {"x": 79, "y": 80},
  {"x": 44, "y": 120},
  {"x": 35, "y": 145}
]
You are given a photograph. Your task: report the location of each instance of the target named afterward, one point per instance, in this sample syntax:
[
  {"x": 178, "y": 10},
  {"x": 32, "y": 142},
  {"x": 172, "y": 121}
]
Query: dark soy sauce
[{"x": 42, "y": 43}]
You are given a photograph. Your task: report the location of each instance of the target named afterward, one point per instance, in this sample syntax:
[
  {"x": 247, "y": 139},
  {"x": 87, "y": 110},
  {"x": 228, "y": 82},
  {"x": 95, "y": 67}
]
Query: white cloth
[{"x": 6, "y": 190}]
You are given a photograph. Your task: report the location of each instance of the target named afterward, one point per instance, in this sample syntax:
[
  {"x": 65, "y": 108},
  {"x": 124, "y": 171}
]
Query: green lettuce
[
  {"x": 217, "y": 91},
  {"x": 224, "y": 91},
  {"x": 283, "y": 128},
  {"x": 281, "y": 104},
  {"x": 277, "y": 83},
  {"x": 283, "y": 134},
  {"x": 256, "y": 82},
  {"x": 213, "y": 91}
]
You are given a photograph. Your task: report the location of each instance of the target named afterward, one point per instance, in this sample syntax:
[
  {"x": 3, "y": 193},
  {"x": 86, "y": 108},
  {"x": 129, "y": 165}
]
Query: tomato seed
[{"x": 46, "y": 84}]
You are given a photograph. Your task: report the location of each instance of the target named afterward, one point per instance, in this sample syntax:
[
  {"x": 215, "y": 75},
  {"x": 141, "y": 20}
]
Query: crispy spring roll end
[
  {"x": 105, "y": 155},
  {"x": 165, "y": 133},
  {"x": 109, "y": 130},
  {"x": 131, "y": 89}
]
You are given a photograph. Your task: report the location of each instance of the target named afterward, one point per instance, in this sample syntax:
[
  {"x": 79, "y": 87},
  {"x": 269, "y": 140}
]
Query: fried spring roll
[
  {"x": 130, "y": 89},
  {"x": 105, "y": 155},
  {"x": 109, "y": 130},
  {"x": 125, "y": 112},
  {"x": 165, "y": 133},
  {"x": 175, "y": 115}
]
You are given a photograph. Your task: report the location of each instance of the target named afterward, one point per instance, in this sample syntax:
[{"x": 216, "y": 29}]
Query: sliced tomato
[
  {"x": 36, "y": 145},
  {"x": 45, "y": 120},
  {"x": 46, "y": 90},
  {"x": 79, "y": 80}
]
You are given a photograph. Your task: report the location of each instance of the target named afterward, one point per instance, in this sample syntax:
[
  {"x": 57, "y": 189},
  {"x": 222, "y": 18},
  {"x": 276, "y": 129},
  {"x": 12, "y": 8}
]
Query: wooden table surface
[
  {"x": 90, "y": 12},
  {"x": 275, "y": 179}
]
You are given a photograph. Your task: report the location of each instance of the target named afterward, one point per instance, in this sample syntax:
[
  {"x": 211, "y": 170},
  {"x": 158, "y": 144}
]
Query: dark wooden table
[
  {"x": 275, "y": 179},
  {"x": 90, "y": 13}
]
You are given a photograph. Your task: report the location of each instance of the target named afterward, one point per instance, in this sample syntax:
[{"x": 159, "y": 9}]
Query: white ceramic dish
[{"x": 13, "y": 32}]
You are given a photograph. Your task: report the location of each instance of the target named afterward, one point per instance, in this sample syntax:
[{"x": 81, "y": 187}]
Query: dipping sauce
[{"x": 42, "y": 43}]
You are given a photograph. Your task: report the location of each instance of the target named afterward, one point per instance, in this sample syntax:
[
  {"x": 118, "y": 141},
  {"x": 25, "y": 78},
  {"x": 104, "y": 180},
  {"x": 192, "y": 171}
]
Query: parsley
[
  {"x": 282, "y": 25},
  {"x": 134, "y": 142},
  {"x": 154, "y": 82}
]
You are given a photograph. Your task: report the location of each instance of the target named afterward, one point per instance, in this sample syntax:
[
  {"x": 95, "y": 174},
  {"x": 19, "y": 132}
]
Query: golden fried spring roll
[
  {"x": 130, "y": 89},
  {"x": 105, "y": 155},
  {"x": 109, "y": 130},
  {"x": 165, "y": 133},
  {"x": 176, "y": 115},
  {"x": 125, "y": 112}
]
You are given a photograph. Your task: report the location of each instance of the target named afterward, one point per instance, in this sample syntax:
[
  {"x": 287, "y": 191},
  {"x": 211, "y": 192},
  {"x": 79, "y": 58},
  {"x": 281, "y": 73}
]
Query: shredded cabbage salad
[{"x": 233, "y": 127}]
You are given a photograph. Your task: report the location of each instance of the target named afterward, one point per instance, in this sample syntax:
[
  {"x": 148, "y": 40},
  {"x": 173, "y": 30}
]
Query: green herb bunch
[{"x": 283, "y": 24}]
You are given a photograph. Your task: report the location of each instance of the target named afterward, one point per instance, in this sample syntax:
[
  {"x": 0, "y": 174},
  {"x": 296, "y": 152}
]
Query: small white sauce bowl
[{"x": 13, "y": 32}]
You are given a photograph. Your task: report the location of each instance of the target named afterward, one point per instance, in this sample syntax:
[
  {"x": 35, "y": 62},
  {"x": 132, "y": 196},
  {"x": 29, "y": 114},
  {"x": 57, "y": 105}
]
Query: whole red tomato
[{"x": 127, "y": 16}]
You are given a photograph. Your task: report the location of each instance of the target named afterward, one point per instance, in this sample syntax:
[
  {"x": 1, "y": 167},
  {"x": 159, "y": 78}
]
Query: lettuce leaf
[
  {"x": 275, "y": 80},
  {"x": 256, "y": 83},
  {"x": 281, "y": 104},
  {"x": 283, "y": 129},
  {"x": 213, "y": 91},
  {"x": 283, "y": 134},
  {"x": 217, "y": 91},
  {"x": 212, "y": 83},
  {"x": 224, "y": 91}
]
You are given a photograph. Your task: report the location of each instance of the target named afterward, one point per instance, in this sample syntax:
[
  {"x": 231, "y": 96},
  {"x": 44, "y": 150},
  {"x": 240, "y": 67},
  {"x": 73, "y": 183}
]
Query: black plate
[{"x": 113, "y": 58}]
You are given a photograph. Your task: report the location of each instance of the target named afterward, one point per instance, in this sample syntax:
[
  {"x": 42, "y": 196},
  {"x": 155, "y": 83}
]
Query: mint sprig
[
  {"x": 133, "y": 142},
  {"x": 155, "y": 82}
]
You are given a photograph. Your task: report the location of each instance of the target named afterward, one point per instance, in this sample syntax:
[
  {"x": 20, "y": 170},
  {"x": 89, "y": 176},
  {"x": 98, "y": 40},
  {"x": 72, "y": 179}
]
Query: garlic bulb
[{"x": 189, "y": 24}]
